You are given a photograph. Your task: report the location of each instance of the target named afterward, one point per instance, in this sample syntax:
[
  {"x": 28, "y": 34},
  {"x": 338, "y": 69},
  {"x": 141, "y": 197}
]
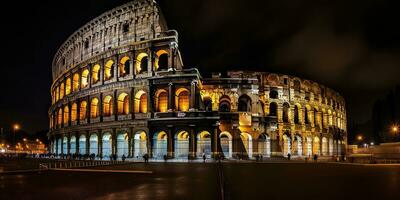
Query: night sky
[{"x": 350, "y": 46}]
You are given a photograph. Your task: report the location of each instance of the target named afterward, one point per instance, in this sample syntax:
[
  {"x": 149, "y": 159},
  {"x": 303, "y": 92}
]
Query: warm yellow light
[
  {"x": 359, "y": 137},
  {"x": 16, "y": 127},
  {"x": 25, "y": 140},
  {"x": 395, "y": 129}
]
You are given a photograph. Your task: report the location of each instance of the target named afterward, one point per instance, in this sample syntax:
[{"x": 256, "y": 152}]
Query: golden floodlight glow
[
  {"x": 395, "y": 129},
  {"x": 359, "y": 138},
  {"x": 16, "y": 127}
]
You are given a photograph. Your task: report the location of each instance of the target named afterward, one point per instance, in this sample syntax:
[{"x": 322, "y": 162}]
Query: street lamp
[
  {"x": 359, "y": 138},
  {"x": 15, "y": 128},
  {"x": 395, "y": 129}
]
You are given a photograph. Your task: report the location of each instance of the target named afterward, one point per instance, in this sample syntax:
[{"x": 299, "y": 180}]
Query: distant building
[{"x": 120, "y": 87}]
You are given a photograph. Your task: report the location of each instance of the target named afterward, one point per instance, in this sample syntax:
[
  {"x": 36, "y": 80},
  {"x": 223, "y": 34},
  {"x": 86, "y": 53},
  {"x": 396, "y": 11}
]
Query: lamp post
[{"x": 15, "y": 129}]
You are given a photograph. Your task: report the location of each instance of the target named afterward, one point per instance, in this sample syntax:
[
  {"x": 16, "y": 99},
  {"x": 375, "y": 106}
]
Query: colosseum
[{"x": 120, "y": 88}]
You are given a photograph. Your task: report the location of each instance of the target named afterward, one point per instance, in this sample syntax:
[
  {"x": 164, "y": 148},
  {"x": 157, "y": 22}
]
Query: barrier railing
[{"x": 77, "y": 164}]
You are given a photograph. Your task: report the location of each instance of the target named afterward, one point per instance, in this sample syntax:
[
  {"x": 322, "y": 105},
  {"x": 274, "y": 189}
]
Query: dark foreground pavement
[{"x": 199, "y": 181}]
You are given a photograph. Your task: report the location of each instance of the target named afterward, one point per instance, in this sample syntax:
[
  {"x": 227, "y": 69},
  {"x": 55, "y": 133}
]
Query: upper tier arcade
[{"x": 136, "y": 21}]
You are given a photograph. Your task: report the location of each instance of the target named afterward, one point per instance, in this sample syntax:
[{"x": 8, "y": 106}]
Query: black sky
[{"x": 350, "y": 46}]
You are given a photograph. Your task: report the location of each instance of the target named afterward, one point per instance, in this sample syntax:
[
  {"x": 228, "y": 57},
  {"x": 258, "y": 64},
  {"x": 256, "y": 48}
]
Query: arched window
[
  {"x": 162, "y": 101},
  {"x": 94, "y": 108},
  {"x": 296, "y": 85},
  {"x": 306, "y": 118},
  {"x": 224, "y": 104},
  {"x": 62, "y": 90},
  {"x": 60, "y": 116},
  {"x": 244, "y": 104},
  {"x": 82, "y": 110},
  {"x": 109, "y": 70},
  {"x": 141, "y": 102},
  {"x": 123, "y": 104},
  {"x": 296, "y": 115},
  {"x": 75, "y": 82},
  {"x": 273, "y": 94},
  {"x": 74, "y": 110},
  {"x": 107, "y": 106},
  {"x": 182, "y": 102},
  {"x": 66, "y": 115},
  {"x": 84, "y": 78},
  {"x": 161, "y": 62},
  {"x": 273, "y": 109},
  {"x": 124, "y": 66},
  {"x": 207, "y": 104},
  {"x": 68, "y": 86},
  {"x": 141, "y": 65},
  {"x": 57, "y": 93},
  {"x": 96, "y": 74},
  {"x": 316, "y": 117},
  {"x": 285, "y": 116}
]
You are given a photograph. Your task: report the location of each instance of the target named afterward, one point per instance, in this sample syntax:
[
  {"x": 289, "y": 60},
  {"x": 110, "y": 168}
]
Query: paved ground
[{"x": 199, "y": 181}]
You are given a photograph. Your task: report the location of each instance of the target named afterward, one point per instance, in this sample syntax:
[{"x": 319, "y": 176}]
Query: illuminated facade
[{"x": 120, "y": 87}]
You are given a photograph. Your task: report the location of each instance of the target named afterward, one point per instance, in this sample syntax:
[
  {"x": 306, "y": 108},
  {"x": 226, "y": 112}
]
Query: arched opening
[
  {"x": 72, "y": 144},
  {"x": 109, "y": 70},
  {"x": 122, "y": 145},
  {"x": 182, "y": 145},
  {"x": 306, "y": 117},
  {"x": 285, "y": 116},
  {"x": 287, "y": 145},
  {"x": 161, "y": 62},
  {"x": 296, "y": 115},
  {"x": 106, "y": 145},
  {"x": 93, "y": 141},
  {"x": 62, "y": 90},
  {"x": 141, "y": 65},
  {"x": 247, "y": 143},
  {"x": 316, "y": 122},
  {"x": 296, "y": 85},
  {"x": 68, "y": 86},
  {"x": 96, "y": 74},
  {"x": 65, "y": 145},
  {"x": 94, "y": 108},
  {"x": 124, "y": 68},
  {"x": 244, "y": 104},
  {"x": 123, "y": 104},
  {"x": 273, "y": 109},
  {"x": 140, "y": 144},
  {"x": 57, "y": 93},
  {"x": 59, "y": 146},
  {"x": 160, "y": 144},
  {"x": 207, "y": 104},
  {"x": 273, "y": 94},
  {"x": 82, "y": 144},
  {"x": 60, "y": 117},
  {"x": 162, "y": 101},
  {"x": 182, "y": 100},
  {"x": 107, "y": 106},
  {"x": 82, "y": 111},
  {"x": 224, "y": 104},
  {"x": 66, "y": 116},
  {"x": 330, "y": 146},
  {"x": 75, "y": 82},
  {"x": 141, "y": 102},
  {"x": 309, "y": 146},
  {"x": 84, "y": 78},
  {"x": 324, "y": 149},
  {"x": 298, "y": 146},
  {"x": 264, "y": 145},
  {"x": 74, "y": 112},
  {"x": 204, "y": 144},
  {"x": 316, "y": 144},
  {"x": 226, "y": 144}
]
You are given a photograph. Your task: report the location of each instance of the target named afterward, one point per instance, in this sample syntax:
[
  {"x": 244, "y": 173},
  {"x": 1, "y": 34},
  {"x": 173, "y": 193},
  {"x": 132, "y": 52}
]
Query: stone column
[
  {"x": 214, "y": 141},
  {"x": 192, "y": 143},
  {"x": 193, "y": 95},
  {"x": 170, "y": 142},
  {"x": 87, "y": 142},
  {"x": 171, "y": 99}
]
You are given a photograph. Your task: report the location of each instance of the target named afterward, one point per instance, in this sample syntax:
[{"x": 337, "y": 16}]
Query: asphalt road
[{"x": 199, "y": 181}]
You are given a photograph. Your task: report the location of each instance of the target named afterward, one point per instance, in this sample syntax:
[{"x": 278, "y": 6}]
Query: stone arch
[
  {"x": 160, "y": 144},
  {"x": 296, "y": 114},
  {"x": 161, "y": 100},
  {"x": 68, "y": 86},
  {"x": 247, "y": 143},
  {"x": 94, "y": 108},
  {"x": 324, "y": 150},
  {"x": 84, "y": 78},
  {"x": 273, "y": 94},
  {"x": 316, "y": 145},
  {"x": 75, "y": 82},
  {"x": 83, "y": 109},
  {"x": 123, "y": 104},
  {"x": 109, "y": 70},
  {"x": 182, "y": 144},
  {"x": 62, "y": 91},
  {"x": 298, "y": 145},
  {"x": 72, "y": 145},
  {"x": 225, "y": 104},
  {"x": 287, "y": 144},
  {"x": 108, "y": 106},
  {"x": 124, "y": 66},
  {"x": 96, "y": 73},
  {"x": 74, "y": 112},
  {"x": 139, "y": 144},
  {"x": 161, "y": 61},
  {"x": 141, "y": 102},
  {"x": 66, "y": 116},
  {"x": 82, "y": 144},
  {"x": 106, "y": 145},
  {"x": 207, "y": 102},
  {"x": 226, "y": 144},
  {"x": 122, "y": 144},
  {"x": 204, "y": 144},
  {"x": 286, "y": 113},
  {"x": 182, "y": 99},
  {"x": 264, "y": 145},
  {"x": 273, "y": 109},
  {"x": 65, "y": 145},
  {"x": 93, "y": 144},
  {"x": 141, "y": 64},
  {"x": 244, "y": 103}
]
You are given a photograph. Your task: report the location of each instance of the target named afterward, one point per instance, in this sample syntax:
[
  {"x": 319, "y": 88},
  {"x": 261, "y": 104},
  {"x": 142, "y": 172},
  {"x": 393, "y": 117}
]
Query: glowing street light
[
  {"x": 395, "y": 129},
  {"x": 359, "y": 138}
]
